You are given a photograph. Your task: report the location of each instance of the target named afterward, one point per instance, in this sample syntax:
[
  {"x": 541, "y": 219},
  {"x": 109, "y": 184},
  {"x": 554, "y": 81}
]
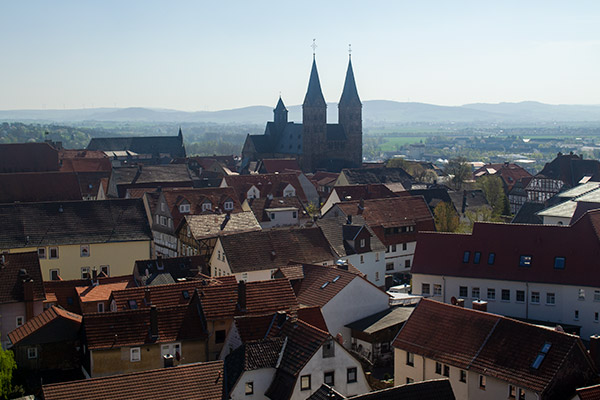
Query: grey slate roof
[
  {"x": 361, "y": 176},
  {"x": 152, "y": 174},
  {"x": 382, "y": 320},
  {"x": 314, "y": 95},
  {"x": 155, "y": 145},
  {"x": 333, "y": 230},
  {"x": 73, "y": 222},
  {"x": 350, "y": 93},
  {"x": 527, "y": 214}
]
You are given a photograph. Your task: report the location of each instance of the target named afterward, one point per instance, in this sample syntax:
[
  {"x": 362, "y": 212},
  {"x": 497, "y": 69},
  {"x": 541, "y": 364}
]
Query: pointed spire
[
  {"x": 280, "y": 106},
  {"x": 180, "y": 133},
  {"x": 350, "y": 93},
  {"x": 314, "y": 95}
]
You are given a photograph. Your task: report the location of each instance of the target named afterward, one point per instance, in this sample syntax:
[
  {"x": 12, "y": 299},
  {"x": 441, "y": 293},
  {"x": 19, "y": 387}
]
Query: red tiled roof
[
  {"x": 81, "y": 154},
  {"x": 273, "y": 184},
  {"x": 258, "y": 206},
  {"x": 273, "y": 165},
  {"x": 365, "y": 192},
  {"x": 39, "y": 186},
  {"x": 270, "y": 249},
  {"x": 292, "y": 271},
  {"x": 392, "y": 212},
  {"x": 202, "y": 381},
  {"x": 65, "y": 293},
  {"x": 28, "y": 157},
  {"x": 11, "y": 277},
  {"x": 254, "y": 327},
  {"x": 86, "y": 164},
  {"x": 508, "y": 172},
  {"x": 198, "y": 196},
  {"x": 132, "y": 327},
  {"x": 321, "y": 284},
  {"x": 99, "y": 292},
  {"x": 219, "y": 300},
  {"x": 40, "y": 321},
  {"x": 493, "y": 345},
  {"x": 589, "y": 393},
  {"x": 313, "y": 316},
  {"x": 442, "y": 253},
  {"x": 270, "y": 296}
]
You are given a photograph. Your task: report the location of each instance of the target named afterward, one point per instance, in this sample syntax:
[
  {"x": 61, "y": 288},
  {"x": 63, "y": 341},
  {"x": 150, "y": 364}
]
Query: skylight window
[
  {"x": 491, "y": 258},
  {"x": 476, "y": 257},
  {"x": 559, "y": 262},
  {"x": 336, "y": 278},
  {"x": 323, "y": 286},
  {"x": 466, "y": 256},
  {"x": 132, "y": 304},
  {"x": 525, "y": 261},
  {"x": 541, "y": 355},
  {"x": 185, "y": 294}
]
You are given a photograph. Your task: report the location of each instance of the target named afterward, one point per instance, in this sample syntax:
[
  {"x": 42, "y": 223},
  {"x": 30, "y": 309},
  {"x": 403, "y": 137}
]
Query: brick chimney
[
  {"x": 153, "y": 323},
  {"x": 28, "y": 298},
  {"x": 242, "y": 295},
  {"x": 147, "y": 297},
  {"x": 361, "y": 206},
  {"x": 480, "y": 305}
]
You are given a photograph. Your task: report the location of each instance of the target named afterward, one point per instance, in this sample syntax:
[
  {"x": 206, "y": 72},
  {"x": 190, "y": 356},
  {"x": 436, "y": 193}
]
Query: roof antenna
[{"x": 314, "y": 47}]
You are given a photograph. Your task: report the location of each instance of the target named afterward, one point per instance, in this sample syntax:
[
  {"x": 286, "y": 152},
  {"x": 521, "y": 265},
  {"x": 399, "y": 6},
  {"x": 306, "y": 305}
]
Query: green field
[{"x": 391, "y": 143}]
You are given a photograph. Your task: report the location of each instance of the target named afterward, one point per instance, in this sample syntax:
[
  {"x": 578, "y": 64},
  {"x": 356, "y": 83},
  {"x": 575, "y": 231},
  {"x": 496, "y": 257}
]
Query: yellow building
[{"x": 75, "y": 238}]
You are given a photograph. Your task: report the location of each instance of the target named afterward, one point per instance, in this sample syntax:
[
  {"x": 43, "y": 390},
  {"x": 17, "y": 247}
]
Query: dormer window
[
  {"x": 184, "y": 208},
  {"x": 206, "y": 206},
  {"x": 362, "y": 243},
  {"x": 228, "y": 205}
]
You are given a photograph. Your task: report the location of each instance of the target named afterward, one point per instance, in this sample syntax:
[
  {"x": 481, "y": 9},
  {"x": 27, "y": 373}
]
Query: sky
[{"x": 213, "y": 55}]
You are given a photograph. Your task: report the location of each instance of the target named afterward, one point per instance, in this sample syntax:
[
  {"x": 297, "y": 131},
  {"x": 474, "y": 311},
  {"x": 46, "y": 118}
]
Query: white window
[
  {"x": 105, "y": 269},
  {"x": 53, "y": 252},
  {"x": 20, "y": 320},
  {"x": 206, "y": 206},
  {"x": 228, "y": 205},
  {"x": 32, "y": 353},
  {"x": 581, "y": 295},
  {"x": 184, "y": 208},
  {"x": 173, "y": 349},
  {"x": 42, "y": 252},
  {"x": 84, "y": 250},
  {"x": 163, "y": 221},
  {"x": 437, "y": 290},
  {"x": 55, "y": 274},
  {"x": 491, "y": 294},
  {"x": 596, "y": 295},
  {"x": 550, "y": 298},
  {"x": 425, "y": 288},
  {"x": 535, "y": 297},
  {"x": 376, "y": 256},
  {"x": 362, "y": 242},
  {"x": 305, "y": 382},
  {"x": 475, "y": 293},
  {"x": 85, "y": 272},
  {"x": 135, "y": 354}
]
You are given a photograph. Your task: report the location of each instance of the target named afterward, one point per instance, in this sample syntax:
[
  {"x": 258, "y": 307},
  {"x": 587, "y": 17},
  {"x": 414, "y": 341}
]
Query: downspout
[
  {"x": 527, "y": 301},
  {"x": 444, "y": 290},
  {"x": 423, "y": 357}
]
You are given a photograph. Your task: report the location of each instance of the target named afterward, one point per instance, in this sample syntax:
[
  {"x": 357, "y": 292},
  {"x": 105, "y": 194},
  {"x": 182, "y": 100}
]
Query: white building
[{"x": 542, "y": 273}]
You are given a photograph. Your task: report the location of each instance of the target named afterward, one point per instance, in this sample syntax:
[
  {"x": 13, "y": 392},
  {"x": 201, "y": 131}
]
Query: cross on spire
[{"x": 314, "y": 47}]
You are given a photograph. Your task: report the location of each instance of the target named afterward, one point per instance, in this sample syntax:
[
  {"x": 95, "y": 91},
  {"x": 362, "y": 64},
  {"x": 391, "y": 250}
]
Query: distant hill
[{"x": 374, "y": 111}]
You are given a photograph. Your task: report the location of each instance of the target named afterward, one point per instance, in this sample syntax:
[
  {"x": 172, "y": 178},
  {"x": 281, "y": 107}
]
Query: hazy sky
[{"x": 210, "y": 55}]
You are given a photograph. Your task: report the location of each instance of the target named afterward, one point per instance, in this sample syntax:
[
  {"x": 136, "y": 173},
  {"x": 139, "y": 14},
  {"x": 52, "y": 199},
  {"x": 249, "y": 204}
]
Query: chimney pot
[
  {"x": 242, "y": 295},
  {"x": 153, "y": 322},
  {"x": 480, "y": 305}
]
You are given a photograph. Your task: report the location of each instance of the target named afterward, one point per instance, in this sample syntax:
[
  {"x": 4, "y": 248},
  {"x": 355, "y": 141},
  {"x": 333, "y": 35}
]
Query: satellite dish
[{"x": 453, "y": 301}]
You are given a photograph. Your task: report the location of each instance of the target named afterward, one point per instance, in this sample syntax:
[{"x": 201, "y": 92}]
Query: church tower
[
  {"x": 350, "y": 116},
  {"x": 314, "y": 121},
  {"x": 281, "y": 116}
]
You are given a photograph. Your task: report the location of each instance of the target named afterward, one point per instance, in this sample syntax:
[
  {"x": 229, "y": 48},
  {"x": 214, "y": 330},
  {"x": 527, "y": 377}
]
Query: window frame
[
  {"x": 466, "y": 257},
  {"x": 135, "y": 354},
  {"x": 19, "y": 320},
  {"x": 349, "y": 371},
  {"x": 560, "y": 262},
  {"x": 535, "y": 297},
  {"x": 550, "y": 295},
  {"x": 54, "y": 271},
  {"x": 32, "y": 355},
  {"x": 477, "y": 257},
  {"x": 50, "y": 250},
  {"x": 466, "y": 291},
  {"x": 84, "y": 250},
  {"x": 42, "y": 253},
  {"x": 327, "y": 374},
  {"x": 410, "y": 359},
  {"x": 249, "y": 388},
  {"x": 423, "y": 286},
  {"x": 525, "y": 260},
  {"x": 463, "y": 376},
  {"x": 482, "y": 382},
  {"x": 302, "y": 381},
  {"x": 502, "y": 293},
  {"x": 491, "y": 291},
  {"x": 520, "y": 292},
  {"x": 491, "y": 258}
]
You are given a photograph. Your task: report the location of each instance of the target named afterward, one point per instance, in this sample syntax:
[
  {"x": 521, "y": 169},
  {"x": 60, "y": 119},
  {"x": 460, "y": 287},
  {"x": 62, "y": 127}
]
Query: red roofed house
[
  {"x": 292, "y": 363},
  {"x": 21, "y": 291},
  {"x": 275, "y": 212},
  {"x": 487, "y": 356},
  {"x": 28, "y": 157},
  {"x": 356, "y": 192},
  {"x": 48, "y": 341},
  {"x": 395, "y": 221},
  {"x": 201, "y": 381},
  {"x": 509, "y": 173},
  {"x": 343, "y": 296},
  {"x": 144, "y": 339},
  {"x": 543, "y": 273}
]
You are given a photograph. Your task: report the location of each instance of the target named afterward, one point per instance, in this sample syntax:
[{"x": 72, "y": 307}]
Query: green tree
[
  {"x": 7, "y": 366},
  {"x": 493, "y": 189},
  {"x": 460, "y": 170},
  {"x": 446, "y": 219}
]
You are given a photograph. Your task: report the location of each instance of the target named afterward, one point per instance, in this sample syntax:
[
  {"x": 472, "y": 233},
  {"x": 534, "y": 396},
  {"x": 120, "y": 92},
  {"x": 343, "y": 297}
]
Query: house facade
[{"x": 541, "y": 273}]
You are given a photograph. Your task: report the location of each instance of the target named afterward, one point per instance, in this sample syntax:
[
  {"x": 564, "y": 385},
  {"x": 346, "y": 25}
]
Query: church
[{"x": 316, "y": 144}]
